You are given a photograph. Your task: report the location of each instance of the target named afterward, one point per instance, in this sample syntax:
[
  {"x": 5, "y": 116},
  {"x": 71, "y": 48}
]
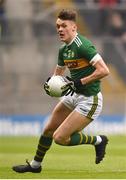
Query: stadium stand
[{"x": 29, "y": 56}]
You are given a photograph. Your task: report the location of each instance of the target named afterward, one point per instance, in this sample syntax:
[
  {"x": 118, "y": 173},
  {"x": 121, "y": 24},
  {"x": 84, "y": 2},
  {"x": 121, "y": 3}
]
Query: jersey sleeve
[
  {"x": 88, "y": 51},
  {"x": 60, "y": 57}
]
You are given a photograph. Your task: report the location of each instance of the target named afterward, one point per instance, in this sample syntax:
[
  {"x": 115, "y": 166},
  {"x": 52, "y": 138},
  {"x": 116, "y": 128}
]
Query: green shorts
[{"x": 90, "y": 107}]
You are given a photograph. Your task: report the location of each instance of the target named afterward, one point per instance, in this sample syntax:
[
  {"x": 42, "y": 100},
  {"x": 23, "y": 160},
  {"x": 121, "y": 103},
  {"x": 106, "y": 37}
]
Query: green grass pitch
[{"x": 63, "y": 162}]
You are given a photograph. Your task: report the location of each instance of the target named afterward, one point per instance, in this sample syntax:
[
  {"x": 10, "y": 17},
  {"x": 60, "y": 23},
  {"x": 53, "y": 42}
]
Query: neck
[{"x": 72, "y": 39}]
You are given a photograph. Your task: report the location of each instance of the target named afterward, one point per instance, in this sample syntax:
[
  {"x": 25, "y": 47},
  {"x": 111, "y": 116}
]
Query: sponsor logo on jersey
[{"x": 76, "y": 63}]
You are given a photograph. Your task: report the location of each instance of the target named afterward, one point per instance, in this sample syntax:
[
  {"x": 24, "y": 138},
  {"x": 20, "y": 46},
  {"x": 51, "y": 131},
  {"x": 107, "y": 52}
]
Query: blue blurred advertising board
[{"x": 32, "y": 125}]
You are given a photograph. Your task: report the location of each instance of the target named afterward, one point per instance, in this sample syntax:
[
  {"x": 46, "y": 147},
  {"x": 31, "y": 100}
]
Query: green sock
[
  {"x": 80, "y": 138},
  {"x": 43, "y": 146}
]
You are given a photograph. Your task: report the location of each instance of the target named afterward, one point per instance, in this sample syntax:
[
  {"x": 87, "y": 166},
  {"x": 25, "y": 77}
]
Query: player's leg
[
  {"x": 68, "y": 133},
  {"x": 58, "y": 115}
]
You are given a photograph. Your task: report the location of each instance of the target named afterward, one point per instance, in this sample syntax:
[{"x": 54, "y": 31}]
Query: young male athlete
[{"x": 74, "y": 112}]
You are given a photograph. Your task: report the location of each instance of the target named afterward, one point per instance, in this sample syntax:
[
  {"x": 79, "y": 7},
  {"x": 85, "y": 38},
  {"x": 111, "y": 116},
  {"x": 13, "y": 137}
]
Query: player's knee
[{"x": 59, "y": 139}]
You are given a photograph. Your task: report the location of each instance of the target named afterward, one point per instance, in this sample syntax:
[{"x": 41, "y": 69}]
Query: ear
[{"x": 74, "y": 27}]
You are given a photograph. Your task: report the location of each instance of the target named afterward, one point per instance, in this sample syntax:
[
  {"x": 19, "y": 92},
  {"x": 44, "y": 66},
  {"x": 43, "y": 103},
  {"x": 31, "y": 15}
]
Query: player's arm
[{"x": 101, "y": 70}]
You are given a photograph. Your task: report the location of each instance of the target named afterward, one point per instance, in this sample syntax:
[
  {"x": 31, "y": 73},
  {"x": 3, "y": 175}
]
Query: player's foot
[
  {"x": 26, "y": 168},
  {"x": 100, "y": 149}
]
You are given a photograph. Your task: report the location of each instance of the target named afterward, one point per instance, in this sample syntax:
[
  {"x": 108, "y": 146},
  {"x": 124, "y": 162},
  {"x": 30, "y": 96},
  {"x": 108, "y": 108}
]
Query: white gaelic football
[{"x": 58, "y": 86}]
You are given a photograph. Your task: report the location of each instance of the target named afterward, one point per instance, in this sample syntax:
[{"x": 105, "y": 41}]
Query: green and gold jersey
[{"x": 77, "y": 56}]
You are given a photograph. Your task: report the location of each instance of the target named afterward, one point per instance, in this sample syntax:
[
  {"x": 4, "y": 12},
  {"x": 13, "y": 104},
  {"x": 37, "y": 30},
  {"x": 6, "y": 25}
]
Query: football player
[{"x": 82, "y": 103}]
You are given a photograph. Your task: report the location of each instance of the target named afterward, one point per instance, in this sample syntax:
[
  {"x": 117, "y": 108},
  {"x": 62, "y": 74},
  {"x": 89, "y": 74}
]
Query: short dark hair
[{"x": 67, "y": 14}]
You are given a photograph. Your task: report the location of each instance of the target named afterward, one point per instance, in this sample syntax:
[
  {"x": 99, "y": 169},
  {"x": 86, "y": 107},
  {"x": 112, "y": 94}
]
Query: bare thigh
[
  {"x": 73, "y": 123},
  {"x": 58, "y": 115}
]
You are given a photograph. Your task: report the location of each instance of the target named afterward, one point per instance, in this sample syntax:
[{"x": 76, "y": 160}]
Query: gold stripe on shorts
[{"x": 93, "y": 108}]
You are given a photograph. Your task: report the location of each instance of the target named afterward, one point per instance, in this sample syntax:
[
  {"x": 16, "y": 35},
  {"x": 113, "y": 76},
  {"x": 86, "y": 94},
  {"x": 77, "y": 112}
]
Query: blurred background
[{"x": 28, "y": 55}]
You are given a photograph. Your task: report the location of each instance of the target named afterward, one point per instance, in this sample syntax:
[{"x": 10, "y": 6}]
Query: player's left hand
[{"x": 73, "y": 85}]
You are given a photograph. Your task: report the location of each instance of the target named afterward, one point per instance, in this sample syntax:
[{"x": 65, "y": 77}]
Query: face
[{"x": 66, "y": 30}]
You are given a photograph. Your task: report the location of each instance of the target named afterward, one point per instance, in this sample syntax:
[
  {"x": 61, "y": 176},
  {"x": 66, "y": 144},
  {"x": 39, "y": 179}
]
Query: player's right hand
[{"x": 46, "y": 86}]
